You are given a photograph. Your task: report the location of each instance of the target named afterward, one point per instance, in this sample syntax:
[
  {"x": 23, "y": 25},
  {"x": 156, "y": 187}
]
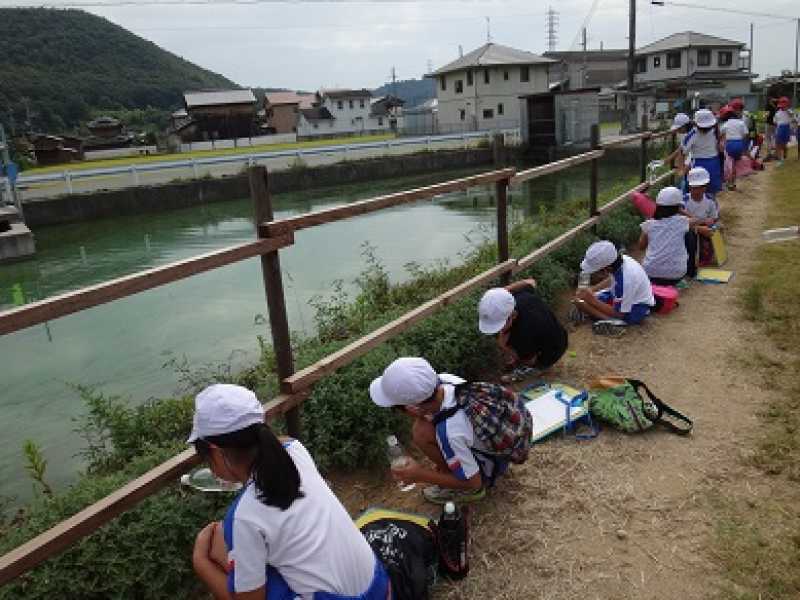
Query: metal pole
[
  {"x": 273, "y": 286},
  {"x": 501, "y": 188},
  {"x": 594, "y": 174},
  {"x": 629, "y": 119},
  {"x": 643, "y": 151},
  {"x": 750, "y": 69},
  {"x": 796, "y": 60}
]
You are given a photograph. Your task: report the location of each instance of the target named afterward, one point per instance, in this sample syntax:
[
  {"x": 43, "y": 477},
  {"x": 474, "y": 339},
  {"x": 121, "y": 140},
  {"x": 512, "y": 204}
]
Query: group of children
[{"x": 287, "y": 536}]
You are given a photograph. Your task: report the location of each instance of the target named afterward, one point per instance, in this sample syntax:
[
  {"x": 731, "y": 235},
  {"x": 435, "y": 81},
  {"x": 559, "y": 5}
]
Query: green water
[{"x": 214, "y": 317}]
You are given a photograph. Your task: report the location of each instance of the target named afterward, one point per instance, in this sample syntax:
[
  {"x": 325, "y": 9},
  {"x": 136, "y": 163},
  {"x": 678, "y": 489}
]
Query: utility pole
[
  {"x": 796, "y": 57},
  {"x": 629, "y": 118},
  {"x": 751, "y": 48},
  {"x": 551, "y": 29},
  {"x": 394, "y": 82},
  {"x": 488, "y": 30}
]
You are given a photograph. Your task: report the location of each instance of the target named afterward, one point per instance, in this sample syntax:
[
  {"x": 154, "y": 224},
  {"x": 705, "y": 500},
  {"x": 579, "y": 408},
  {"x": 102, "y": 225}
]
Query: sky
[{"x": 310, "y": 45}]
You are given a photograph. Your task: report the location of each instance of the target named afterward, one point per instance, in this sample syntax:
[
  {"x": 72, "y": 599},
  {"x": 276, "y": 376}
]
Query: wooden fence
[{"x": 295, "y": 387}]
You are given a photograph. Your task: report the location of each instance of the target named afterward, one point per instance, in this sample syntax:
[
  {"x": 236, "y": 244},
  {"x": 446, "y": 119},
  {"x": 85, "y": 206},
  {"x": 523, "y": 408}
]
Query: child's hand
[{"x": 408, "y": 473}]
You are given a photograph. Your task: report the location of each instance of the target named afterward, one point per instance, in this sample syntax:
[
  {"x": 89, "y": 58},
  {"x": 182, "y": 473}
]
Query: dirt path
[{"x": 630, "y": 516}]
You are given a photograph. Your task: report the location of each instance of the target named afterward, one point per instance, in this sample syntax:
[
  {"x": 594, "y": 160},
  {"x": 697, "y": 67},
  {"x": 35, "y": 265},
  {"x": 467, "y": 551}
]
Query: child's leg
[
  {"x": 690, "y": 239},
  {"x": 423, "y": 433}
]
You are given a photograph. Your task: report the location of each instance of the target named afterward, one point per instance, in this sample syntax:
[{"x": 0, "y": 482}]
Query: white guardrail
[{"x": 67, "y": 176}]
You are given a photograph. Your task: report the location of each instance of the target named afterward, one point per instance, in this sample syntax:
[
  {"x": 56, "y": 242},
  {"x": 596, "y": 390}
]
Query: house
[
  {"x": 671, "y": 72},
  {"x": 348, "y": 112},
  {"x": 282, "y": 110},
  {"x": 219, "y": 114},
  {"x": 481, "y": 90},
  {"x": 421, "y": 119},
  {"x": 107, "y": 133},
  {"x": 580, "y": 69}
]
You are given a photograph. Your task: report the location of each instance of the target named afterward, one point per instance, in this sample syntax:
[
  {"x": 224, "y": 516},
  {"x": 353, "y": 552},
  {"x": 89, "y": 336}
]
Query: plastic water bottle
[
  {"x": 584, "y": 279},
  {"x": 203, "y": 480},
  {"x": 453, "y": 560},
  {"x": 398, "y": 459}
]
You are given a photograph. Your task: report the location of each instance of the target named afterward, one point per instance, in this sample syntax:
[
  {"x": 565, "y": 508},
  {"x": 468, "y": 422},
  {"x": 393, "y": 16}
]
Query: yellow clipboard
[{"x": 720, "y": 251}]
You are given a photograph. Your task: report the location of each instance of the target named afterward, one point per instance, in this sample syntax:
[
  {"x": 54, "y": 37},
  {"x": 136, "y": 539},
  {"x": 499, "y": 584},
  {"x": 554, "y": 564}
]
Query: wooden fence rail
[{"x": 296, "y": 386}]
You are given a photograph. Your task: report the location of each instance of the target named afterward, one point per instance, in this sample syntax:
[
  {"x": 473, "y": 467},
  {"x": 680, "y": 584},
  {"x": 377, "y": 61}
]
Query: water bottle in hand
[
  {"x": 398, "y": 459},
  {"x": 203, "y": 480},
  {"x": 584, "y": 279}
]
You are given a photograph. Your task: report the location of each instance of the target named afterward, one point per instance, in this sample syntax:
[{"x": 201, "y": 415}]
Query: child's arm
[
  {"x": 521, "y": 284},
  {"x": 417, "y": 473},
  {"x": 643, "y": 241},
  {"x": 208, "y": 571},
  {"x": 588, "y": 303}
]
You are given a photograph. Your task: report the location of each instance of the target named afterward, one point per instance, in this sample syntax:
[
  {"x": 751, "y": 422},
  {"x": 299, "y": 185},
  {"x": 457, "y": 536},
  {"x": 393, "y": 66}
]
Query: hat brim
[
  {"x": 700, "y": 183},
  {"x": 488, "y": 327},
  {"x": 193, "y": 437},
  {"x": 377, "y": 395}
]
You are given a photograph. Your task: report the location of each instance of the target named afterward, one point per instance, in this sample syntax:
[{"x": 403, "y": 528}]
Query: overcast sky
[{"x": 308, "y": 45}]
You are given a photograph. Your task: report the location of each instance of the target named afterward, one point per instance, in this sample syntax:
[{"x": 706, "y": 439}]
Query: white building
[
  {"x": 481, "y": 90},
  {"x": 347, "y": 112}
]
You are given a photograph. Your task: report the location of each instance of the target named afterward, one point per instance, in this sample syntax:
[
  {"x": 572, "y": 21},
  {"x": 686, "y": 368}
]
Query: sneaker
[
  {"x": 686, "y": 282},
  {"x": 440, "y": 495},
  {"x": 611, "y": 327},
  {"x": 576, "y": 315},
  {"x": 519, "y": 374}
]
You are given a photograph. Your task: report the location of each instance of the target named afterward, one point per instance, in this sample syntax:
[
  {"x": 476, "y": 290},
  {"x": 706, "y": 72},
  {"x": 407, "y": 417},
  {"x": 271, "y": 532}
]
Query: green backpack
[{"x": 623, "y": 407}]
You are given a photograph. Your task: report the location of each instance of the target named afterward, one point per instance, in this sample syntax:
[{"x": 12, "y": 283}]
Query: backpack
[
  {"x": 619, "y": 403},
  {"x": 498, "y": 416}
]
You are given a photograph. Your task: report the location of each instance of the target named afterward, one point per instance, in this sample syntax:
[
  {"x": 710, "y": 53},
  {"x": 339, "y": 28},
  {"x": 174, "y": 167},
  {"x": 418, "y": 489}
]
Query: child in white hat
[
  {"x": 528, "y": 332},
  {"x": 630, "y": 295},
  {"x": 663, "y": 239},
  {"x": 704, "y": 212},
  {"x": 702, "y": 144},
  {"x": 286, "y": 534}
]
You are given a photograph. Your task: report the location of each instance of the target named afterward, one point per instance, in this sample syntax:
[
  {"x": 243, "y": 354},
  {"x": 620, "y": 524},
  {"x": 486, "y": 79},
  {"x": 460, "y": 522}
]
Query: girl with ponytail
[{"x": 285, "y": 535}]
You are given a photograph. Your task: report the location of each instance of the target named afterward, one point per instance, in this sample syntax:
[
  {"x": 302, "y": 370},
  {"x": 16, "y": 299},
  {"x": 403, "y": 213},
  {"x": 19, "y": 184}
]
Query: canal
[{"x": 127, "y": 347}]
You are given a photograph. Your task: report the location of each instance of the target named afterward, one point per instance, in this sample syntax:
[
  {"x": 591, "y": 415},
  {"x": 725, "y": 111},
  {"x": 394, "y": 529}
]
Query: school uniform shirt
[
  {"x": 456, "y": 437},
  {"x": 313, "y": 544},
  {"x": 666, "y": 255},
  {"x": 735, "y": 130},
  {"x": 631, "y": 286},
  {"x": 700, "y": 144},
  {"x": 783, "y": 117},
  {"x": 706, "y": 208},
  {"x": 536, "y": 330}
]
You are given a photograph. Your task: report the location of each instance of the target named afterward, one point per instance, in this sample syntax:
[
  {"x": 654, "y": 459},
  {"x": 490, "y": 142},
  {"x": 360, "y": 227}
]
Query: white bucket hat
[
  {"x": 680, "y": 120},
  {"x": 406, "y": 381},
  {"x": 224, "y": 408},
  {"x": 705, "y": 118},
  {"x": 669, "y": 196},
  {"x": 598, "y": 256},
  {"x": 697, "y": 177},
  {"x": 494, "y": 309}
]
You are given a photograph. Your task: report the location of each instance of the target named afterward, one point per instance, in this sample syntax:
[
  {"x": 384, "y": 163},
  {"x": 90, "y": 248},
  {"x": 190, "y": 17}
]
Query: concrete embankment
[{"x": 183, "y": 194}]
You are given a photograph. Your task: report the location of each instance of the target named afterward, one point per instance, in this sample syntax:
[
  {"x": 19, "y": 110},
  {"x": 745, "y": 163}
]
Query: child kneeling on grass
[
  {"x": 286, "y": 535},
  {"x": 704, "y": 213},
  {"x": 469, "y": 431},
  {"x": 630, "y": 295},
  {"x": 664, "y": 239}
]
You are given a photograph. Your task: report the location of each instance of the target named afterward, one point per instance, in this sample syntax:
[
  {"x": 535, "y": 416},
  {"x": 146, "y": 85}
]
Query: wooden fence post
[
  {"x": 673, "y": 144},
  {"x": 501, "y": 189},
  {"x": 594, "y": 174},
  {"x": 643, "y": 151},
  {"x": 273, "y": 286}
]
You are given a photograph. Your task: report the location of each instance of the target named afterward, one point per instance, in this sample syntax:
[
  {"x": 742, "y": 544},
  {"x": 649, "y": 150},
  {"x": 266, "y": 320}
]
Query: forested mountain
[
  {"x": 59, "y": 67},
  {"x": 413, "y": 91}
]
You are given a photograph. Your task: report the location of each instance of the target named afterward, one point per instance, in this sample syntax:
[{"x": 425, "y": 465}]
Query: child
[
  {"x": 702, "y": 143},
  {"x": 663, "y": 239},
  {"x": 735, "y": 137},
  {"x": 704, "y": 212},
  {"x": 528, "y": 333},
  {"x": 630, "y": 296},
  {"x": 286, "y": 534},
  {"x": 463, "y": 464},
  {"x": 681, "y": 125},
  {"x": 783, "y": 131}
]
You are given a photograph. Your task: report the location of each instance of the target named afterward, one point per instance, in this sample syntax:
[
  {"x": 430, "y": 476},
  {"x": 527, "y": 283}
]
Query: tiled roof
[
  {"x": 193, "y": 99},
  {"x": 493, "y": 54},
  {"x": 317, "y": 113},
  {"x": 685, "y": 39},
  {"x": 342, "y": 93},
  {"x": 303, "y": 100}
]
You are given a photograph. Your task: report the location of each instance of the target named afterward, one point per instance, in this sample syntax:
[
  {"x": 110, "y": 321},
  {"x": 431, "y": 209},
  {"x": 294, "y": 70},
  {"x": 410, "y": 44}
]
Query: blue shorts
[
  {"x": 638, "y": 311},
  {"x": 783, "y": 134},
  {"x": 278, "y": 589},
  {"x": 734, "y": 148}
]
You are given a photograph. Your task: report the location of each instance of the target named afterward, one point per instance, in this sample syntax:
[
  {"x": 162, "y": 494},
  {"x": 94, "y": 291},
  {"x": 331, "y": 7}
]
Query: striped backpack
[{"x": 498, "y": 416}]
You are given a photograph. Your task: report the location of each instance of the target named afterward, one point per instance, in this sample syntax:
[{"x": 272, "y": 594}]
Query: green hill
[{"x": 61, "y": 67}]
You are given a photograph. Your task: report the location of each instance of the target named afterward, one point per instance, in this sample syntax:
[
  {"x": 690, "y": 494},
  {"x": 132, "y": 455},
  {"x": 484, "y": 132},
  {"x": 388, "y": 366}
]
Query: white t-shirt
[
  {"x": 700, "y": 144},
  {"x": 313, "y": 544},
  {"x": 735, "y": 129},
  {"x": 631, "y": 286},
  {"x": 706, "y": 208},
  {"x": 460, "y": 437},
  {"x": 666, "y": 255},
  {"x": 783, "y": 117}
]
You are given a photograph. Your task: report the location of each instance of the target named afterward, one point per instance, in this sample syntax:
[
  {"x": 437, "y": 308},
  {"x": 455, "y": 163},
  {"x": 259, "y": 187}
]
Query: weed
[{"x": 36, "y": 465}]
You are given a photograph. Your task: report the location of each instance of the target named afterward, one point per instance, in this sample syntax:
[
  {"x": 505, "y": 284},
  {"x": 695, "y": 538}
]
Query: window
[
  {"x": 524, "y": 74},
  {"x": 486, "y": 76},
  {"x": 656, "y": 62},
  {"x": 380, "y": 121},
  {"x": 316, "y": 125},
  {"x": 462, "y": 114},
  {"x": 469, "y": 77},
  {"x": 361, "y": 103},
  {"x": 488, "y": 113},
  {"x": 500, "y": 109},
  {"x": 351, "y": 104},
  {"x": 725, "y": 59},
  {"x": 673, "y": 60},
  {"x": 459, "y": 86},
  {"x": 641, "y": 65},
  {"x": 505, "y": 75},
  {"x": 443, "y": 82},
  {"x": 704, "y": 58},
  {"x": 340, "y": 105}
]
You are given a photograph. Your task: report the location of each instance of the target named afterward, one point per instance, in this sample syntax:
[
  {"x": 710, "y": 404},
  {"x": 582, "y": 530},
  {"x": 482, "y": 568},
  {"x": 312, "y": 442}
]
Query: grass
[
  {"x": 758, "y": 542},
  {"x": 138, "y": 160}
]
